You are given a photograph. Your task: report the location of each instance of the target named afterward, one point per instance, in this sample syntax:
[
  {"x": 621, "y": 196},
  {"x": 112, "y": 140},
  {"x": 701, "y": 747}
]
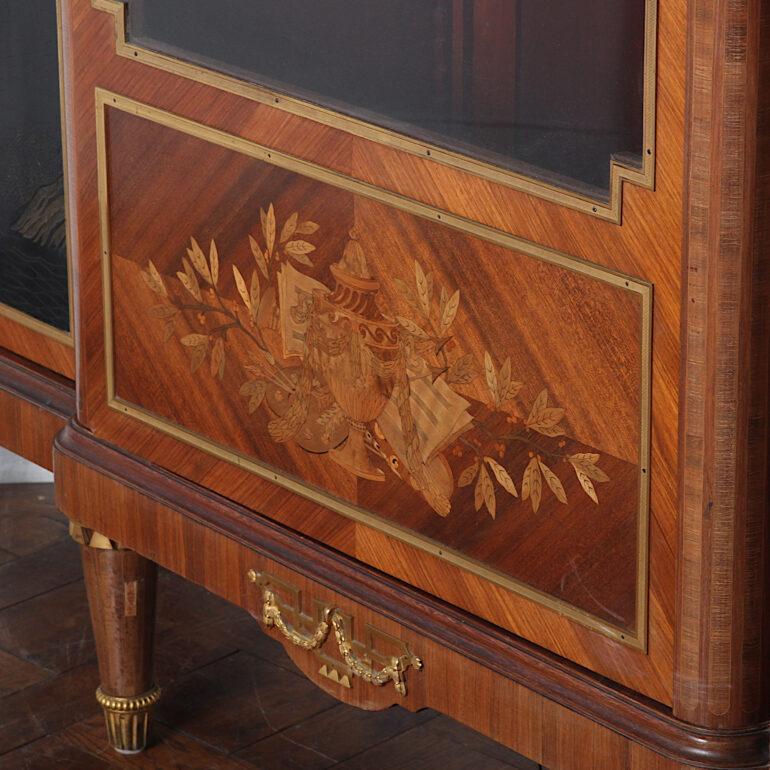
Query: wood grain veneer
[
  {"x": 34, "y": 341},
  {"x": 722, "y": 674},
  {"x": 34, "y": 406}
]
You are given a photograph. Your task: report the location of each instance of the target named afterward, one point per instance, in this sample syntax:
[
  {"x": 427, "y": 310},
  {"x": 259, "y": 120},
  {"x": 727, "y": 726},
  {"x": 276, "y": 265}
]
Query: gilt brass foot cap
[{"x": 128, "y": 719}]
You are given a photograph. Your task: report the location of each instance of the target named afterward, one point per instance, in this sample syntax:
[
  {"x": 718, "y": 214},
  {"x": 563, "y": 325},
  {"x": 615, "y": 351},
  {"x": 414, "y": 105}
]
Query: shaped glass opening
[{"x": 552, "y": 89}]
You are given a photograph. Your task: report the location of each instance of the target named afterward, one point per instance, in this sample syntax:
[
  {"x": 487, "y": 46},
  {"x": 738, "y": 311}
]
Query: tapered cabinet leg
[{"x": 121, "y": 596}]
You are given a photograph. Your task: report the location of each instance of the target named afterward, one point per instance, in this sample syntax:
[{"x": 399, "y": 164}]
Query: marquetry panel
[{"x": 347, "y": 345}]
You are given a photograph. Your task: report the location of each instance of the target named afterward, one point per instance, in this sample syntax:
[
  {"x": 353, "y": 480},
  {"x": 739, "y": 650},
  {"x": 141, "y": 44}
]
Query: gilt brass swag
[{"x": 332, "y": 618}]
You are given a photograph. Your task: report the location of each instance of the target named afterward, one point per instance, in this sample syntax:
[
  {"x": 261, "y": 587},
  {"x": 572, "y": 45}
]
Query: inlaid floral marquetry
[
  {"x": 461, "y": 390},
  {"x": 339, "y": 372}
]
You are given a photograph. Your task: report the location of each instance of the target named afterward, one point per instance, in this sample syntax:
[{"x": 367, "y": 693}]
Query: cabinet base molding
[
  {"x": 35, "y": 404},
  {"x": 530, "y": 700}
]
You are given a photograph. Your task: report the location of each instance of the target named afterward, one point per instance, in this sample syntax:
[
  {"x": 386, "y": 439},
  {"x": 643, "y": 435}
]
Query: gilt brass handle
[
  {"x": 271, "y": 617},
  {"x": 394, "y": 672}
]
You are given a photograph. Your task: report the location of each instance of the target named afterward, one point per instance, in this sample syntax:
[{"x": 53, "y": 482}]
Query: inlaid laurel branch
[{"x": 347, "y": 371}]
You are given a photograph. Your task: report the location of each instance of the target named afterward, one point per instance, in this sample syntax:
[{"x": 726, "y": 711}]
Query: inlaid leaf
[
  {"x": 462, "y": 371},
  {"x": 197, "y": 357},
  {"x": 478, "y": 492},
  {"x": 299, "y": 251},
  {"x": 289, "y": 228},
  {"x": 590, "y": 457},
  {"x": 550, "y": 416},
  {"x": 254, "y": 295},
  {"x": 163, "y": 311},
  {"x": 502, "y": 476},
  {"x": 241, "y": 286},
  {"x": 532, "y": 484},
  {"x": 545, "y": 419},
  {"x": 556, "y": 430},
  {"x": 423, "y": 292},
  {"x": 407, "y": 293},
  {"x": 537, "y": 407},
  {"x": 504, "y": 378},
  {"x": 198, "y": 260},
  {"x": 487, "y": 491},
  {"x": 443, "y": 299},
  {"x": 214, "y": 262},
  {"x": 199, "y": 345},
  {"x": 412, "y": 327},
  {"x": 585, "y": 482},
  {"x": 252, "y": 388},
  {"x": 259, "y": 257},
  {"x": 218, "y": 359},
  {"x": 469, "y": 474},
  {"x": 587, "y": 462},
  {"x": 255, "y": 391},
  {"x": 512, "y": 391},
  {"x": 195, "y": 340},
  {"x": 553, "y": 482},
  {"x": 154, "y": 280},
  {"x": 189, "y": 280},
  {"x": 306, "y": 228},
  {"x": 450, "y": 310},
  {"x": 491, "y": 375},
  {"x": 268, "y": 228}
]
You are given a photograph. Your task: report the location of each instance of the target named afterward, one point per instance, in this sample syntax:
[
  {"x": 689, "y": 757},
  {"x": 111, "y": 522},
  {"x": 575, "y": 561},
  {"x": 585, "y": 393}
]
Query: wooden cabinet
[{"x": 435, "y": 330}]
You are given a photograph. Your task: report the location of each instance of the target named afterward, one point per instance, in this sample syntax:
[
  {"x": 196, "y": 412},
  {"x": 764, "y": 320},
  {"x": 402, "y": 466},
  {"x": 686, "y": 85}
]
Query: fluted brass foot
[{"x": 128, "y": 719}]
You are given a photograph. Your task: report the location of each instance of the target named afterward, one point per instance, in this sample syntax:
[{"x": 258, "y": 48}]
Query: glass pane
[
  {"x": 33, "y": 261},
  {"x": 551, "y": 88}
]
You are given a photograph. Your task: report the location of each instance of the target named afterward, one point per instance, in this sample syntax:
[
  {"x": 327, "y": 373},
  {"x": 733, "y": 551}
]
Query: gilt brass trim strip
[
  {"x": 619, "y": 173},
  {"x": 39, "y": 327},
  {"x": 636, "y": 638},
  {"x": 65, "y": 173}
]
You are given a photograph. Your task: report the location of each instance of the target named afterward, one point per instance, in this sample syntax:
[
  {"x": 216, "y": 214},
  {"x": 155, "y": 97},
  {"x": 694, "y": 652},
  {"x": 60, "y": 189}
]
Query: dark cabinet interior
[{"x": 33, "y": 260}]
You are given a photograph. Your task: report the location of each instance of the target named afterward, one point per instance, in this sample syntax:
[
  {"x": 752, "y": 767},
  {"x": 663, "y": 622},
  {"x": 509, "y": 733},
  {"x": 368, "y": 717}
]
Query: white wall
[{"x": 16, "y": 470}]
